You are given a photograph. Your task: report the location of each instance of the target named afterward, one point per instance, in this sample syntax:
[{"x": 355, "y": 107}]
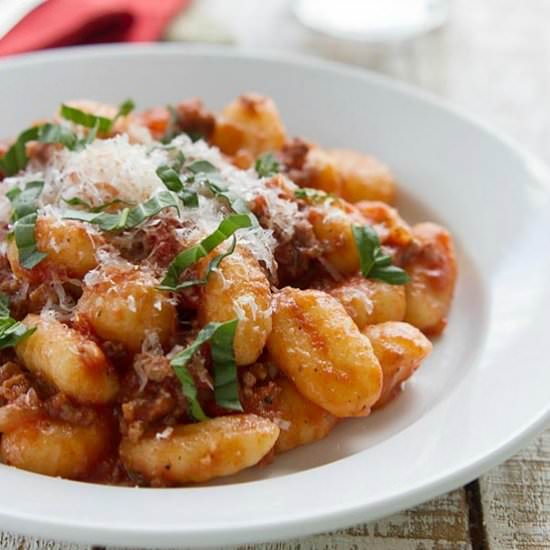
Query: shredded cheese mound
[{"x": 121, "y": 168}]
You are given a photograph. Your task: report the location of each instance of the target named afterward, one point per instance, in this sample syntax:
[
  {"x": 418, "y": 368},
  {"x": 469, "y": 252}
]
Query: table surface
[{"x": 493, "y": 59}]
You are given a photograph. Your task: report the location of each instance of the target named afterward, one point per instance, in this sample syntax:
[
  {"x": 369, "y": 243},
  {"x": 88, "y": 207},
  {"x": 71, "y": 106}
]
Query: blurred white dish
[{"x": 480, "y": 396}]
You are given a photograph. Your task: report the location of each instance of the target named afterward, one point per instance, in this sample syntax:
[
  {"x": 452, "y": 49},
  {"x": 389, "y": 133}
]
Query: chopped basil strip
[
  {"x": 124, "y": 109},
  {"x": 313, "y": 196},
  {"x": 226, "y": 382},
  {"x": 24, "y": 215},
  {"x": 373, "y": 262},
  {"x": 29, "y": 255},
  {"x": 189, "y": 256},
  {"x": 11, "y": 331},
  {"x": 202, "y": 166},
  {"x": 23, "y": 201},
  {"x": 77, "y": 201},
  {"x": 236, "y": 203},
  {"x": 16, "y": 158},
  {"x": 88, "y": 120},
  {"x": 55, "y": 133},
  {"x": 212, "y": 266},
  {"x": 127, "y": 218},
  {"x": 172, "y": 181},
  {"x": 85, "y": 119},
  {"x": 267, "y": 165},
  {"x": 226, "y": 387},
  {"x": 172, "y": 130}
]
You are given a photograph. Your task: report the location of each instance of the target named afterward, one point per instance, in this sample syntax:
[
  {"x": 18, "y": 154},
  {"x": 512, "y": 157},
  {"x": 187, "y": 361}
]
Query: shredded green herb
[
  {"x": 25, "y": 239},
  {"x": 172, "y": 130},
  {"x": 77, "y": 201},
  {"x": 172, "y": 181},
  {"x": 235, "y": 202},
  {"x": 226, "y": 382},
  {"x": 190, "y": 256},
  {"x": 11, "y": 331},
  {"x": 213, "y": 265},
  {"x": 23, "y": 201},
  {"x": 373, "y": 262},
  {"x": 313, "y": 196},
  {"x": 16, "y": 157},
  {"x": 226, "y": 386},
  {"x": 127, "y": 218},
  {"x": 201, "y": 166},
  {"x": 267, "y": 165},
  {"x": 88, "y": 120},
  {"x": 24, "y": 204}
]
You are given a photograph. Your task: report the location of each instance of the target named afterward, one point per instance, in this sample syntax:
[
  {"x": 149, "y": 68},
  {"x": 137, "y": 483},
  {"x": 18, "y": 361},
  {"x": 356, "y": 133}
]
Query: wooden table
[{"x": 493, "y": 59}]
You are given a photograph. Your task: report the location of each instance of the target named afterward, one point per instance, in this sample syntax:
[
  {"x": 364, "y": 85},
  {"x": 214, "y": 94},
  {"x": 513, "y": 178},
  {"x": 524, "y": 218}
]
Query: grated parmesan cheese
[{"x": 124, "y": 167}]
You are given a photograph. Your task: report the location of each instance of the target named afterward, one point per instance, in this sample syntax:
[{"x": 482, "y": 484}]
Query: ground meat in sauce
[{"x": 195, "y": 119}]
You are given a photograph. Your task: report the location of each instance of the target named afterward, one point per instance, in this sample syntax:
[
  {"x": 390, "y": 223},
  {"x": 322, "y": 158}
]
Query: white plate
[{"x": 482, "y": 394}]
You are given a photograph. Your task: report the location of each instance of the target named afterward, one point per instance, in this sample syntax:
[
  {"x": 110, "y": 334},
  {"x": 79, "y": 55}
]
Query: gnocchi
[
  {"x": 199, "y": 452},
  {"x": 317, "y": 345},
  {"x": 400, "y": 348},
  {"x": 239, "y": 289},
  {"x": 185, "y": 294},
  {"x": 69, "y": 361}
]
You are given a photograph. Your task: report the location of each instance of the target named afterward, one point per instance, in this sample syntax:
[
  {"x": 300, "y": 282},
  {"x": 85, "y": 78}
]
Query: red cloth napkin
[{"x": 59, "y": 23}]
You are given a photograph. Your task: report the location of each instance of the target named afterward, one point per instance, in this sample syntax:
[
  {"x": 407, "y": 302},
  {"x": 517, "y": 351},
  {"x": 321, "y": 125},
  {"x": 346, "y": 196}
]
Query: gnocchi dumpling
[
  {"x": 124, "y": 305},
  {"x": 198, "y": 452},
  {"x": 68, "y": 360},
  {"x": 239, "y": 289},
  {"x": 400, "y": 348},
  {"x": 250, "y": 123},
  {"x": 431, "y": 265},
  {"x": 57, "y": 448},
  {"x": 319, "y": 347}
]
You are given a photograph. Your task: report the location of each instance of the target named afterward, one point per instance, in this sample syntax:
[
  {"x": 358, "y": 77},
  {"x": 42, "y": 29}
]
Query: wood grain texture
[
  {"x": 516, "y": 500},
  {"x": 440, "y": 524},
  {"x": 10, "y": 541}
]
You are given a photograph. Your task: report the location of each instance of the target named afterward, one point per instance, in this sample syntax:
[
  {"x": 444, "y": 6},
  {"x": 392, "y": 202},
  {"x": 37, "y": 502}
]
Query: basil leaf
[
  {"x": 373, "y": 262},
  {"x": 226, "y": 386},
  {"x": 189, "y": 256},
  {"x": 212, "y": 266},
  {"x": 124, "y": 109},
  {"x": 16, "y": 158},
  {"x": 85, "y": 119},
  {"x": 11, "y": 331},
  {"x": 236, "y": 203},
  {"x": 202, "y": 166},
  {"x": 4, "y": 306},
  {"x": 88, "y": 120},
  {"x": 390, "y": 274},
  {"x": 55, "y": 133},
  {"x": 172, "y": 130},
  {"x": 172, "y": 181},
  {"x": 179, "y": 364},
  {"x": 226, "y": 382},
  {"x": 24, "y": 201},
  {"x": 29, "y": 255},
  {"x": 127, "y": 218},
  {"x": 77, "y": 201},
  {"x": 24, "y": 215},
  {"x": 267, "y": 165},
  {"x": 314, "y": 196}
]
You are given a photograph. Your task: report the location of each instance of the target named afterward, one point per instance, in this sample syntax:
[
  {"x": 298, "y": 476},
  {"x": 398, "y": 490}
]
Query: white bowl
[{"x": 480, "y": 396}]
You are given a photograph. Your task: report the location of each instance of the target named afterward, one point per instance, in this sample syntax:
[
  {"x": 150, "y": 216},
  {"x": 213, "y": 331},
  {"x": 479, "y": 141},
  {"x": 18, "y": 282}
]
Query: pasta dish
[{"x": 186, "y": 294}]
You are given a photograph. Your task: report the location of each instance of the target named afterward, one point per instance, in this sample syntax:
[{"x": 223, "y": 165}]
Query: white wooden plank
[
  {"x": 9, "y": 541},
  {"x": 516, "y": 500}
]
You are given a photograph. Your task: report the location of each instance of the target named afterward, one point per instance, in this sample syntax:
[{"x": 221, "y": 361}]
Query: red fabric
[{"x": 68, "y": 22}]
